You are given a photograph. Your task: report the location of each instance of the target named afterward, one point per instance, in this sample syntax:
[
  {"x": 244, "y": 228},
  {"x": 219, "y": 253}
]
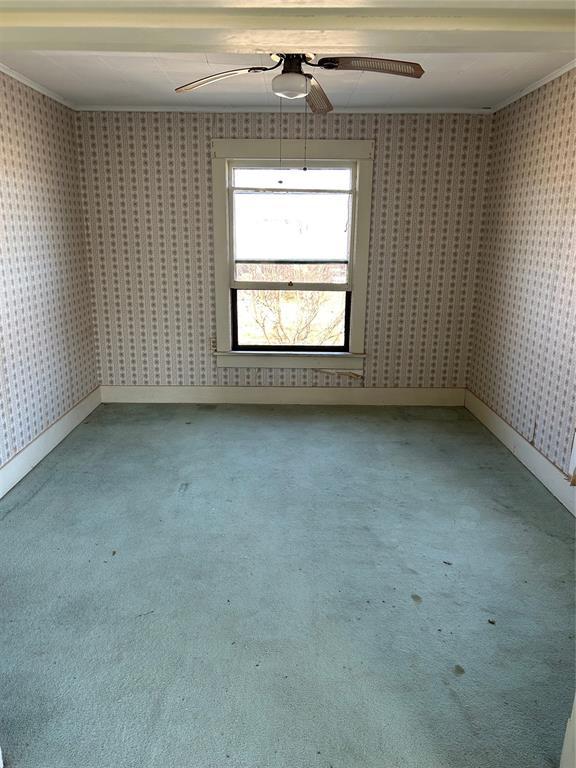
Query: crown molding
[
  {"x": 421, "y": 5},
  {"x": 535, "y": 85},
  {"x": 36, "y": 86},
  {"x": 286, "y": 111}
]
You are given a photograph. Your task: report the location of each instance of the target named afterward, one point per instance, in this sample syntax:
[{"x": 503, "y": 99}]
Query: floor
[{"x": 284, "y": 587}]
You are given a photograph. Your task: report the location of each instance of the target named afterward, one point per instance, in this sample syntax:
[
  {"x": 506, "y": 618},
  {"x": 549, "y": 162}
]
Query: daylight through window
[{"x": 291, "y": 239}]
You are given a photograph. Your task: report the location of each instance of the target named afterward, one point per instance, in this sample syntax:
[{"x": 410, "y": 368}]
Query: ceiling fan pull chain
[
  {"x": 306, "y": 123},
  {"x": 280, "y": 152}
]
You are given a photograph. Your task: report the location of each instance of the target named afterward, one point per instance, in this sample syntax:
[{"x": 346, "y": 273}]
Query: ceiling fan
[{"x": 293, "y": 83}]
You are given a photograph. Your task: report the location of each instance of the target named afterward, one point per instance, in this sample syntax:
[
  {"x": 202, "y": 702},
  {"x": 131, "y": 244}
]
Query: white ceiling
[{"x": 452, "y": 81}]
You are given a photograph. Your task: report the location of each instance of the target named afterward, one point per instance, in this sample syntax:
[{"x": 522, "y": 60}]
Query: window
[
  {"x": 290, "y": 252},
  {"x": 291, "y": 249}
]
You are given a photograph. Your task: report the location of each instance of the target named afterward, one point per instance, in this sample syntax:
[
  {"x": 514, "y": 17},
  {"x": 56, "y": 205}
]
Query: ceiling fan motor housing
[{"x": 293, "y": 63}]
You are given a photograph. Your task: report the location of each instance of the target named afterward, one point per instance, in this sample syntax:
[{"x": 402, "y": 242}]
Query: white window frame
[{"x": 224, "y": 153}]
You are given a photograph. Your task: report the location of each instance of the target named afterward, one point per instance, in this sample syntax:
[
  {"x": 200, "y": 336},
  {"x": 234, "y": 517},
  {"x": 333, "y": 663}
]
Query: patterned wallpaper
[
  {"x": 148, "y": 198},
  {"x": 134, "y": 190},
  {"x": 523, "y": 362},
  {"x": 46, "y": 341}
]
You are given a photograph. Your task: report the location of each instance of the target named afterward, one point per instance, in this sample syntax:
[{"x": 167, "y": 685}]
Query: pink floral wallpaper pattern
[
  {"x": 523, "y": 353},
  {"x": 47, "y": 354},
  {"x": 148, "y": 203}
]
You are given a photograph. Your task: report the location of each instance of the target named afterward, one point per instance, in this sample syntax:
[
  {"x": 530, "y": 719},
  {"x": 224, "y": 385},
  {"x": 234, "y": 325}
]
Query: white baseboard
[
  {"x": 549, "y": 475},
  {"x": 285, "y": 395},
  {"x": 20, "y": 464},
  {"x": 555, "y": 480},
  {"x": 568, "y": 759}
]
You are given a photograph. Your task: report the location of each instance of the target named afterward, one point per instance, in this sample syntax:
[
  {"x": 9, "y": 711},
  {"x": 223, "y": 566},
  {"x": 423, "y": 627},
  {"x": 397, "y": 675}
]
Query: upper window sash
[
  {"x": 247, "y": 285},
  {"x": 290, "y": 177},
  {"x": 292, "y": 284}
]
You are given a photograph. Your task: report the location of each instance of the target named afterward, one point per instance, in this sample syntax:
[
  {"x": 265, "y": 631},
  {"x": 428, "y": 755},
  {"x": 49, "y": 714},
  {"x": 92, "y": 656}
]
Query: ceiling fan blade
[
  {"x": 316, "y": 98},
  {"x": 215, "y": 78},
  {"x": 368, "y": 64}
]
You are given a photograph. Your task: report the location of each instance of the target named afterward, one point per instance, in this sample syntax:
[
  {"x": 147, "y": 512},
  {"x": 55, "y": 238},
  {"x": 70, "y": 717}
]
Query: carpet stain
[{"x": 417, "y": 599}]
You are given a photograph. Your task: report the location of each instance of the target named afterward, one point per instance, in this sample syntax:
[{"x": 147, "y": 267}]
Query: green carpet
[{"x": 284, "y": 587}]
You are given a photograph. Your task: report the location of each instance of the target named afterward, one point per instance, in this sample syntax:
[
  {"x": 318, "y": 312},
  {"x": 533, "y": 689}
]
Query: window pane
[
  {"x": 297, "y": 273},
  {"x": 293, "y": 178},
  {"x": 291, "y": 227},
  {"x": 291, "y": 318}
]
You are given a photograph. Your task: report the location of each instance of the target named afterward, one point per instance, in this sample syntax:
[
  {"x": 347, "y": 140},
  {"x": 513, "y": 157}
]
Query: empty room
[{"x": 287, "y": 384}]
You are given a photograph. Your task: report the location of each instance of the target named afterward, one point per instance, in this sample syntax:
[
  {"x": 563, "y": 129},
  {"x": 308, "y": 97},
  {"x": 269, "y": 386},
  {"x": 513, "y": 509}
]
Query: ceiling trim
[
  {"x": 291, "y": 110},
  {"x": 535, "y": 85},
  {"x": 36, "y": 86},
  {"x": 315, "y": 5}
]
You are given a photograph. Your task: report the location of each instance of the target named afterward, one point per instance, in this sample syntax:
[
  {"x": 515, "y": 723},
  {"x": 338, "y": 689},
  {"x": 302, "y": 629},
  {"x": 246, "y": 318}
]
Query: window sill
[{"x": 346, "y": 361}]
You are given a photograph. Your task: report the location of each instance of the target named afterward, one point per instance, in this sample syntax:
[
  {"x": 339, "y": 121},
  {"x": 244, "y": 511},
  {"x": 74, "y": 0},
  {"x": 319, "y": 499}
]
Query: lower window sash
[{"x": 237, "y": 347}]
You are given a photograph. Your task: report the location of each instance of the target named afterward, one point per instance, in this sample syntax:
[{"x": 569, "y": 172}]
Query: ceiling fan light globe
[{"x": 290, "y": 85}]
